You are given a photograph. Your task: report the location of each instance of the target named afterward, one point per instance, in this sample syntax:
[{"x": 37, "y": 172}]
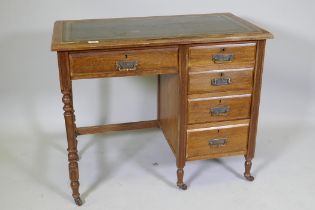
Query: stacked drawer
[{"x": 219, "y": 99}]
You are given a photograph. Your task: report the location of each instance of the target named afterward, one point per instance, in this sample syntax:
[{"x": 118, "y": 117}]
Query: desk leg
[
  {"x": 260, "y": 52},
  {"x": 72, "y": 145},
  {"x": 183, "y": 80},
  {"x": 248, "y": 166},
  {"x": 180, "y": 177}
]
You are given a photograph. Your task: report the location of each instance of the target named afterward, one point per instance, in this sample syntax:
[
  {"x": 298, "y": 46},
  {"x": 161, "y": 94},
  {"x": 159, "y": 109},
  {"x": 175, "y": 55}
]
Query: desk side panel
[{"x": 169, "y": 109}]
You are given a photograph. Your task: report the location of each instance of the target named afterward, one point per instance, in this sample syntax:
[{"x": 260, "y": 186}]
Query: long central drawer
[{"x": 123, "y": 62}]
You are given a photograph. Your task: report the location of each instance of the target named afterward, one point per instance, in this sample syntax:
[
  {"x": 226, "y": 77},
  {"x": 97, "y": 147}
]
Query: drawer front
[
  {"x": 123, "y": 63},
  {"x": 225, "y": 56},
  {"x": 219, "y": 108},
  {"x": 216, "y": 142},
  {"x": 221, "y": 80}
]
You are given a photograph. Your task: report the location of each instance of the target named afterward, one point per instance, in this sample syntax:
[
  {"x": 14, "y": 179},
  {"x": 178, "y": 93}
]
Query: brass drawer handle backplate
[
  {"x": 218, "y": 142},
  {"x": 222, "y": 58},
  {"x": 126, "y": 65},
  {"x": 220, "y": 81},
  {"x": 219, "y": 111}
]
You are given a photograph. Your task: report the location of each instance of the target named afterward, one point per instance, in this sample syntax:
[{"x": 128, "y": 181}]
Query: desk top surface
[{"x": 149, "y": 31}]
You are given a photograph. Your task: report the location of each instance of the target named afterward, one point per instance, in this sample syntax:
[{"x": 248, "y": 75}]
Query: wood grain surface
[
  {"x": 198, "y": 139},
  {"x": 169, "y": 105},
  {"x": 200, "y": 57},
  {"x": 117, "y": 127},
  {"x": 199, "y": 109},
  {"x": 103, "y": 63},
  {"x": 239, "y": 79}
]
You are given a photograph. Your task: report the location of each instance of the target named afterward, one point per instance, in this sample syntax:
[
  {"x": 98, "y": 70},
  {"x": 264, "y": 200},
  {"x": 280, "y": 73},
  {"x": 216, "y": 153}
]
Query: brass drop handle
[
  {"x": 222, "y": 58},
  {"x": 219, "y": 110},
  {"x": 126, "y": 65},
  {"x": 218, "y": 142}
]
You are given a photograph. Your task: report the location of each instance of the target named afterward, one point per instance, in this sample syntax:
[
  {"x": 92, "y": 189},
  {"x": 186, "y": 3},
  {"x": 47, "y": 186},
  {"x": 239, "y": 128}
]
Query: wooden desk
[{"x": 209, "y": 71}]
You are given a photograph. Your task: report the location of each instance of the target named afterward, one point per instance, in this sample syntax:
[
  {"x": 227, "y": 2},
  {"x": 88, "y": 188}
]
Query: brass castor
[
  {"x": 78, "y": 201},
  {"x": 182, "y": 186},
  {"x": 249, "y": 177}
]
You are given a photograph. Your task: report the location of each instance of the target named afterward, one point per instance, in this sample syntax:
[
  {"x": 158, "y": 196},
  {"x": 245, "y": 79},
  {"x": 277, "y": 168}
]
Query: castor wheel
[
  {"x": 182, "y": 186},
  {"x": 249, "y": 177},
  {"x": 78, "y": 201}
]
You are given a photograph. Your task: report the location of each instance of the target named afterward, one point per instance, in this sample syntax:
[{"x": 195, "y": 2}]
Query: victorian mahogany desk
[{"x": 209, "y": 71}]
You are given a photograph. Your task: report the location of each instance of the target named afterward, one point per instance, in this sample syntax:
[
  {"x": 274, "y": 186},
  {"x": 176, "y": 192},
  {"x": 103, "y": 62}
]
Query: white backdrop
[{"x": 29, "y": 86}]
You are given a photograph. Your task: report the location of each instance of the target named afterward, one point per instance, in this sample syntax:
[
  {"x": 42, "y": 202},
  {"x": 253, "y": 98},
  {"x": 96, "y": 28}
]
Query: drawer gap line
[
  {"x": 220, "y": 97},
  {"x": 217, "y": 127},
  {"x": 220, "y": 70}
]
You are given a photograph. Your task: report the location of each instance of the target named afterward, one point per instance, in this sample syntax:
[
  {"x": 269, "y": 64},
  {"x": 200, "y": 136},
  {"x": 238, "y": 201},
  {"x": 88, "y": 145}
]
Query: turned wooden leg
[
  {"x": 248, "y": 166},
  {"x": 180, "y": 178},
  {"x": 72, "y": 145},
  {"x": 74, "y": 124}
]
